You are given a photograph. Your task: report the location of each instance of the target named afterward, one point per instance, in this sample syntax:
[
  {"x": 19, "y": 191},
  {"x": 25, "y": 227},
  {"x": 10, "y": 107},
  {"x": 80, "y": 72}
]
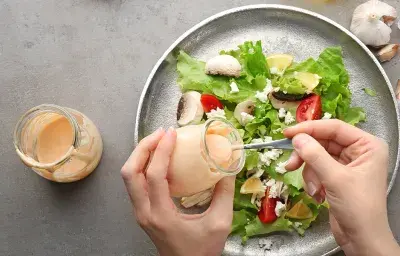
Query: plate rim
[{"x": 277, "y": 7}]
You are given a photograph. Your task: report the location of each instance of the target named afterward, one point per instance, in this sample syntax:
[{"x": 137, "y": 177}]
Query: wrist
[{"x": 376, "y": 243}]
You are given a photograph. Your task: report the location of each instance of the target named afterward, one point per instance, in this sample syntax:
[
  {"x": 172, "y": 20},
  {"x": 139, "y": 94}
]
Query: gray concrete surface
[{"x": 95, "y": 55}]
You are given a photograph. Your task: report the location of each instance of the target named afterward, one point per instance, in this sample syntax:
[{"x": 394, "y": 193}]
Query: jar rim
[
  {"x": 220, "y": 169},
  {"x": 21, "y": 124}
]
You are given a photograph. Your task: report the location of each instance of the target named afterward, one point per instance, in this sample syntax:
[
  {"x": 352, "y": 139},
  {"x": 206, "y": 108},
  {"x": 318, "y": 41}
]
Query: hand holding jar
[{"x": 172, "y": 232}]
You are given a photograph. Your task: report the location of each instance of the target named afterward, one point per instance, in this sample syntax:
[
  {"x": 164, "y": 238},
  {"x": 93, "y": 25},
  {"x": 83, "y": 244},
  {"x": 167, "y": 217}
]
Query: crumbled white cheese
[
  {"x": 285, "y": 193},
  {"x": 234, "y": 87},
  {"x": 263, "y": 96},
  {"x": 289, "y": 118},
  {"x": 279, "y": 208},
  {"x": 275, "y": 188},
  {"x": 269, "y": 155},
  {"x": 273, "y": 191},
  {"x": 268, "y": 84},
  {"x": 277, "y": 131},
  {"x": 258, "y": 173},
  {"x": 251, "y": 51},
  {"x": 216, "y": 113},
  {"x": 317, "y": 76},
  {"x": 297, "y": 224},
  {"x": 280, "y": 167},
  {"x": 285, "y": 92},
  {"x": 327, "y": 116},
  {"x": 267, "y": 139},
  {"x": 270, "y": 182},
  {"x": 246, "y": 118},
  {"x": 282, "y": 113},
  {"x": 256, "y": 199},
  {"x": 257, "y": 140},
  {"x": 276, "y": 89},
  {"x": 276, "y": 71}
]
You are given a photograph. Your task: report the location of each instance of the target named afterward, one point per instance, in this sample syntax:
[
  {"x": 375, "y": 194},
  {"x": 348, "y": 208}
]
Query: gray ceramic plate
[{"x": 282, "y": 29}]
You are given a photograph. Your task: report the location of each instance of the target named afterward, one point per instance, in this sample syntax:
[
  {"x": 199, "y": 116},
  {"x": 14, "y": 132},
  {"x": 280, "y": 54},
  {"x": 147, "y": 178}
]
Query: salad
[{"x": 262, "y": 94}]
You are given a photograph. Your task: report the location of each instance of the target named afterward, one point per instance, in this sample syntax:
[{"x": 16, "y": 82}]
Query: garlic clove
[
  {"x": 371, "y": 21},
  {"x": 398, "y": 90},
  {"x": 388, "y": 52},
  {"x": 388, "y": 20}
]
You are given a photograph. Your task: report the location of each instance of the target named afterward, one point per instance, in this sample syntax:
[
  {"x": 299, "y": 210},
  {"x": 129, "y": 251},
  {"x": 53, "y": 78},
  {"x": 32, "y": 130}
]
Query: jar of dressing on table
[{"x": 58, "y": 143}]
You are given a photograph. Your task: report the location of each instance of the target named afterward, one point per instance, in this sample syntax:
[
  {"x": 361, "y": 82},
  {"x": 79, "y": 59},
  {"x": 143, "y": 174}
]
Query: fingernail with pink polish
[
  {"x": 311, "y": 189},
  {"x": 319, "y": 198}
]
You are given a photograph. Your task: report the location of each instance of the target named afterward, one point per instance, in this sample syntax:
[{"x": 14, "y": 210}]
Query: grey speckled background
[{"x": 95, "y": 55}]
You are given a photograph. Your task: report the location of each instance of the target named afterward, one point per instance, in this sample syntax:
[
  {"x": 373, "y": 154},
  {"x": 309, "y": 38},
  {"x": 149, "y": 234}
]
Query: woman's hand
[
  {"x": 349, "y": 167},
  {"x": 172, "y": 232}
]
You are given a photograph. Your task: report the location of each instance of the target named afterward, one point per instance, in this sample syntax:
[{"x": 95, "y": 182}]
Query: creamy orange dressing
[
  {"x": 54, "y": 140},
  {"x": 190, "y": 171},
  {"x": 50, "y": 149}
]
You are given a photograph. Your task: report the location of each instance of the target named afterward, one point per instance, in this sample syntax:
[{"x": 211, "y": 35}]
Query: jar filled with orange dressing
[{"x": 58, "y": 143}]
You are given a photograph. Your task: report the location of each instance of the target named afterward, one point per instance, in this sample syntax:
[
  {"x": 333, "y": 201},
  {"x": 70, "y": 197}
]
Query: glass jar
[
  {"x": 203, "y": 155},
  {"x": 58, "y": 143}
]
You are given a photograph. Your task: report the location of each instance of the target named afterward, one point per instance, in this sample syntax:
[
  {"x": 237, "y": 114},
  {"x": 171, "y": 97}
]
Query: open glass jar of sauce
[
  {"x": 58, "y": 143},
  {"x": 203, "y": 155}
]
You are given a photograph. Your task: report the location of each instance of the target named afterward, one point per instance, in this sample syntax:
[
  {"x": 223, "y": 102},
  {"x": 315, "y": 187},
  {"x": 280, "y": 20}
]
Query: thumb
[
  {"x": 315, "y": 155},
  {"x": 222, "y": 202}
]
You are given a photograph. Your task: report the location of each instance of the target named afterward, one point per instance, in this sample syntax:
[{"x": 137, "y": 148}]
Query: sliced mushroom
[
  {"x": 190, "y": 110},
  {"x": 288, "y": 97},
  {"x": 243, "y": 107},
  {"x": 283, "y": 104},
  {"x": 224, "y": 65}
]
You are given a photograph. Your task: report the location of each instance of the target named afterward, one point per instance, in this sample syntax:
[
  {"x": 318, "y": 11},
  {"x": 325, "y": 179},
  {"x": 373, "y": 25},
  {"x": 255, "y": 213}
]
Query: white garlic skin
[{"x": 368, "y": 25}]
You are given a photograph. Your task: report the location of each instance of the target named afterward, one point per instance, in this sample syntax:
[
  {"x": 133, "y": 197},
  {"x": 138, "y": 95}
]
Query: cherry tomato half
[
  {"x": 267, "y": 211},
  {"x": 210, "y": 102},
  {"x": 309, "y": 109}
]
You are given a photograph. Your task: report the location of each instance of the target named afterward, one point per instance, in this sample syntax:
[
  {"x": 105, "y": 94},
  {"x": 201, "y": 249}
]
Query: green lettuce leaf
[
  {"x": 266, "y": 121},
  {"x": 370, "y": 92},
  {"x": 333, "y": 87},
  {"x": 252, "y": 59},
  {"x": 289, "y": 85},
  {"x": 256, "y": 227},
  {"x": 294, "y": 178},
  {"x": 241, "y": 201},
  {"x": 240, "y": 220},
  {"x": 193, "y": 77},
  {"x": 251, "y": 159},
  {"x": 355, "y": 115}
]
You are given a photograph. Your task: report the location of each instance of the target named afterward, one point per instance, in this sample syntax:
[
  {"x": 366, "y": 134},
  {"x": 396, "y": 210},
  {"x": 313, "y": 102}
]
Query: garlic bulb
[{"x": 371, "y": 22}]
